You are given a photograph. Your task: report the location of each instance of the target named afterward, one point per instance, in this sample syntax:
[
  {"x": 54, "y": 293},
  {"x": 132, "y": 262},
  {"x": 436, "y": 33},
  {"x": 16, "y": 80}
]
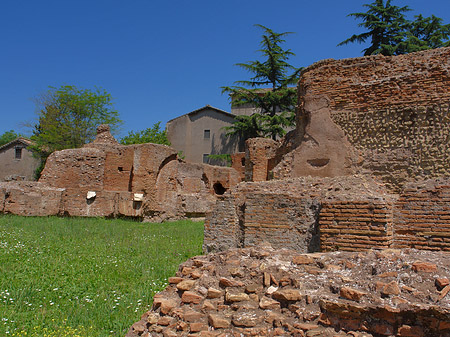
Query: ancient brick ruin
[
  {"x": 384, "y": 117},
  {"x": 367, "y": 166},
  {"x": 104, "y": 178},
  {"x": 277, "y": 292},
  {"x": 366, "y": 170},
  {"x": 311, "y": 214}
]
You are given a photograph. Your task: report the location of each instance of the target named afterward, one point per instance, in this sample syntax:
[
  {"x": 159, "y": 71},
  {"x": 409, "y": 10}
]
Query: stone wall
[
  {"x": 286, "y": 213},
  {"x": 381, "y": 116},
  {"x": 351, "y": 213},
  {"x": 355, "y": 225},
  {"x": 105, "y": 178},
  {"x": 30, "y": 198},
  {"x": 422, "y": 216}
]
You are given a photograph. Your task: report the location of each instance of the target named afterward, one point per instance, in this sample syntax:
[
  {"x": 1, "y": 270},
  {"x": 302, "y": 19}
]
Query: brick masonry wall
[
  {"x": 258, "y": 153},
  {"x": 30, "y": 198},
  {"x": 377, "y": 82},
  {"x": 75, "y": 168},
  {"x": 238, "y": 163},
  {"x": 167, "y": 187},
  {"x": 343, "y": 213},
  {"x": 222, "y": 226},
  {"x": 422, "y": 216},
  {"x": 283, "y": 220},
  {"x": 385, "y": 116},
  {"x": 356, "y": 225},
  {"x": 118, "y": 170},
  {"x": 346, "y": 213}
]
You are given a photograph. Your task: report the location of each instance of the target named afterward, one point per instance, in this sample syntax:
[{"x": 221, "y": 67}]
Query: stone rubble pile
[{"x": 267, "y": 292}]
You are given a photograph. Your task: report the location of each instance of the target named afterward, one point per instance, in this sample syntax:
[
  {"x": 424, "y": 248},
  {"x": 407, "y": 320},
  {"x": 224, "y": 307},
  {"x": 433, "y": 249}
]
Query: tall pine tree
[
  {"x": 425, "y": 33},
  {"x": 386, "y": 25},
  {"x": 267, "y": 90},
  {"x": 390, "y": 33}
]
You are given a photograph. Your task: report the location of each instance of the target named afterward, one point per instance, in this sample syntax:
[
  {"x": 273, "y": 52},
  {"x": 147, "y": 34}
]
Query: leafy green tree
[
  {"x": 68, "y": 118},
  {"x": 267, "y": 90},
  {"x": 7, "y": 137},
  {"x": 150, "y": 135},
  {"x": 390, "y": 33}
]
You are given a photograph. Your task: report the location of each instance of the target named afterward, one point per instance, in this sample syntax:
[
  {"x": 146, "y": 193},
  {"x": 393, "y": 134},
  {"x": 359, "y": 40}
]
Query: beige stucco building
[
  {"x": 17, "y": 161},
  {"x": 201, "y": 133}
]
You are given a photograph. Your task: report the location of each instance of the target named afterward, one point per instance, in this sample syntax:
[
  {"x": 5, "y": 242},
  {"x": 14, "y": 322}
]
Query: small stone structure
[{"x": 105, "y": 178}]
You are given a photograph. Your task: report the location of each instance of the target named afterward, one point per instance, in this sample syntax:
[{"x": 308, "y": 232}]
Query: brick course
[
  {"x": 422, "y": 216},
  {"x": 342, "y": 213}
]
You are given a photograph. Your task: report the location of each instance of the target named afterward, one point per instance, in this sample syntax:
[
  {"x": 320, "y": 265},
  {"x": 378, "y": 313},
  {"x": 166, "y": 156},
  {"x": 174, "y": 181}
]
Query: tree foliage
[
  {"x": 150, "y": 135},
  {"x": 68, "y": 118},
  {"x": 425, "y": 33},
  {"x": 267, "y": 90},
  {"x": 390, "y": 33},
  {"x": 7, "y": 137}
]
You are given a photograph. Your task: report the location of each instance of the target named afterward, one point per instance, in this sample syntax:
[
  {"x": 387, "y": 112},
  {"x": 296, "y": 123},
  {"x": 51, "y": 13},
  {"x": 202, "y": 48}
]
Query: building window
[
  {"x": 207, "y": 134},
  {"x": 18, "y": 154},
  {"x": 205, "y": 158}
]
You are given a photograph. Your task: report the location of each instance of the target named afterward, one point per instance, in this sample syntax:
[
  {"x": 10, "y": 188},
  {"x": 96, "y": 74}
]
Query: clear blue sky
[{"x": 160, "y": 59}]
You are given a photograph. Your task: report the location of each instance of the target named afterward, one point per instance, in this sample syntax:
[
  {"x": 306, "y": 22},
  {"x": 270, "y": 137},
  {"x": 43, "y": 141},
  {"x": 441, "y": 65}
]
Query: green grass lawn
[{"x": 85, "y": 276}]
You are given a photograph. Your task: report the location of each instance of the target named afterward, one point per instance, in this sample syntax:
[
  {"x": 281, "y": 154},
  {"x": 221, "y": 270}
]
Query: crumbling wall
[
  {"x": 422, "y": 216},
  {"x": 30, "y": 198},
  {"x": 105, "y": 178},
  {"x": 75, "y": 168},
  {"x": 222, "y": 226},
  {"x": 258, "y": 155},
  {"x": 191, "y": 189},
  {"x": 119, "y": 169},
  {"x": 292, "y": 213},
  {"x": 238, "y": 163},
  {"x": 351, "y": 213},
  {"x": 381, "y": 116}
]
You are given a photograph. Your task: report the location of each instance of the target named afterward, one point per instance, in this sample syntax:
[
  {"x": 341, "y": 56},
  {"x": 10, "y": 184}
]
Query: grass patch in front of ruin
[{"x": 85, "y": 276}]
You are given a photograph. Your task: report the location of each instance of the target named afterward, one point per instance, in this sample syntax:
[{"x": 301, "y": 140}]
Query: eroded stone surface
[
  {"x": 342, "y": 213},
  {"x": 104, "y": 178},
  {"x": 377, "y": 115},
  {"x": 374, "y": 293}
]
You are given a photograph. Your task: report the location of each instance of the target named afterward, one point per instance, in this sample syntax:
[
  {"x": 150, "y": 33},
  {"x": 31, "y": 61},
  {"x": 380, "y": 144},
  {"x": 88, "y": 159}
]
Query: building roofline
[
  {"x": 22, "y": 140},
  {"x": 204, "y": 108}
]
